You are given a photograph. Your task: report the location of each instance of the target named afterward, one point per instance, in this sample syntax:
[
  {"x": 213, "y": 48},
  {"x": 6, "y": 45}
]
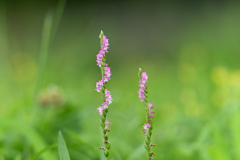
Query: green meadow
[{"x": 48, "y": 76}]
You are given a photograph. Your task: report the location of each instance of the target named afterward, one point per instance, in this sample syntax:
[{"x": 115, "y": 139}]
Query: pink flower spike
[{"x": 108, "y": 123}]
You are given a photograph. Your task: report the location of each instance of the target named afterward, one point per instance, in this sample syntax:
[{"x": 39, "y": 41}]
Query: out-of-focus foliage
[{"x": 190, "y": 52}]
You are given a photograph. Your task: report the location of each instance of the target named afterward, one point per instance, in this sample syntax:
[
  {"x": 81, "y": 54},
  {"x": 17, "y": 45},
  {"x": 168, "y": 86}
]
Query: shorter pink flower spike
[{"x": 108, "y": 123}]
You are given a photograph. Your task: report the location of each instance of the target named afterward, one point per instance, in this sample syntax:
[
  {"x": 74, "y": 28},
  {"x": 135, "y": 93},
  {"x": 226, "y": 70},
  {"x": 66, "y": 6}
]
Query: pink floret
[
  {"x": 100, "y": 110},
  {"x": 150, "y": 106},
  {"x": 151, "y": 112},
  {"x": 108, "y": 123}
]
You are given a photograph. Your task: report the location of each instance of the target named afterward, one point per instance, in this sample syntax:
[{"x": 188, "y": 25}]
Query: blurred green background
[{"x": 190, "y": 50}]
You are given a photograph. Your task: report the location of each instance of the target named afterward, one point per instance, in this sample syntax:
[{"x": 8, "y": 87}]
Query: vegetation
[{"x": 48, "y": 79}]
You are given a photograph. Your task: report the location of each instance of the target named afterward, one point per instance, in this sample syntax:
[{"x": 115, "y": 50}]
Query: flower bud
[
  {"x": 140, "y": 72},
  {"x": 102, "y": 148},
  {"x": 106, "y": 137},
  {"x": 152, "y": 145},
  {"x": 106, "y": 153},
  {"x": 108, "y": 146}
]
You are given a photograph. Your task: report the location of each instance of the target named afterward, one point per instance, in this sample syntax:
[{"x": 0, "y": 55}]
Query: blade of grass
[{"x": 62, "y": 148}]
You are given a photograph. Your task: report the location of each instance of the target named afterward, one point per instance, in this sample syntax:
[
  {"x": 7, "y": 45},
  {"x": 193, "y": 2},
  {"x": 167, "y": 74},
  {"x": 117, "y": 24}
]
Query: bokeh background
[{"x": 190, "y": 50}]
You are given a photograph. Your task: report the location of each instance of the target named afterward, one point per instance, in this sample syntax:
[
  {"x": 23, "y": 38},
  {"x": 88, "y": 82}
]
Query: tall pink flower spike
[{"x": 106, "y": 94}]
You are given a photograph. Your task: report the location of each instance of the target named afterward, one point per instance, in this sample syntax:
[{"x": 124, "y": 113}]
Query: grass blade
[{"x": 62, "y": 148}]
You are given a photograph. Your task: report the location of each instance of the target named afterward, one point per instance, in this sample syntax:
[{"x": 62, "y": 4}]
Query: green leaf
[{"x": 62, "y": 148}]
